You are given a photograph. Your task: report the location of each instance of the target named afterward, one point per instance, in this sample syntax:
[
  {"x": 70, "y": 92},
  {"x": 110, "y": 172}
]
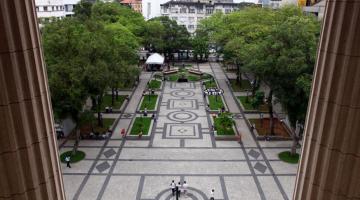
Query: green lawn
[
  {"x": 108, "y": 122},
  {"x": 215, "y": 104},
  {"x": 154, "y": 84},
  {"x": 191, "y": 77},
  {"x": 149, "y": 102},
  {"x": 117, "y": 103},
  {"x": 245, "y": 85},
  {"x": 221, "y": 130},
  {"x": 173, "y": 77},
  {"x": 141, "y": 124},
  {"x": 210, "y": 84},
  {"x": 248, "y": 106},
  {"x": 79, "y": 155},
  {"x": 287, "y": 157}
]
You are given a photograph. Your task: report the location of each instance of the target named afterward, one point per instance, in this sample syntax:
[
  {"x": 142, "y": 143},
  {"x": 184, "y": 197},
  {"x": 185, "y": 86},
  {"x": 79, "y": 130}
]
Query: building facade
[
  {"x": 275, "y": 4},
  {"x": 48, "y": 10},
  {"x": 136, "y": 5},
  {"x": 190, "y": 12}
]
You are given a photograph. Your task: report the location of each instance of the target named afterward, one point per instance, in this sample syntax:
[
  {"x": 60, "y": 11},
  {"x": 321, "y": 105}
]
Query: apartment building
[
  {"x": 136, "y": 5},
  {"x": 190, "y": 12}
]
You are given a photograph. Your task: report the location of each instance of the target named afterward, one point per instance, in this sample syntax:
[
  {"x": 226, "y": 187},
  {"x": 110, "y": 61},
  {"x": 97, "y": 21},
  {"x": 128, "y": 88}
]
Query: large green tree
[
  {"x": 164, "y": 35},
  {"x": 277, "y": 46}
]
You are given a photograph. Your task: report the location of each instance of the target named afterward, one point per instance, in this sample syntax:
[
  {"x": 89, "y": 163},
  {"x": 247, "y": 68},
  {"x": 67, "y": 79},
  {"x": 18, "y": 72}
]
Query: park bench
[
  {"x": 172, "y": 71},
  {"x": 197, "y": 72}
]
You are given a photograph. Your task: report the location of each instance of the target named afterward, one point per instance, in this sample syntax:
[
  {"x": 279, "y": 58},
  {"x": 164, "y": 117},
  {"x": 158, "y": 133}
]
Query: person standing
[
  {"x": 185, "y": 186},
  {"x": 173, "y": 186},
  {"x": 212, "y": 194},
  {"x": 178, "y": 190},
  {"x": 67, "y": 160}
]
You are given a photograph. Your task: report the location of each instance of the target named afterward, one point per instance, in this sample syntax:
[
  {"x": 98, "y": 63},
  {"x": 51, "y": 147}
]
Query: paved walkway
[{"x": 181, "y": 148}]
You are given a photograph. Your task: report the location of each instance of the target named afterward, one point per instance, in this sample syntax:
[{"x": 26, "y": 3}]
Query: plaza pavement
[{"x": 181, "y": 147}]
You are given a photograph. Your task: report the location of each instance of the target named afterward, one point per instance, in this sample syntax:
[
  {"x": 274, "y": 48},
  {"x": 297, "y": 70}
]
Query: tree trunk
[
  {"x": 271, "y": 112},
  {"x": 117, "y": 93},
  {"x": 100, "y": 124},
  {"x": 239, "y": 78},
  {"x": 294, "y": 144},
  {"x": 77, "y": 141},
  {"x": 112, "y": 96},
  {"x": 254, "y": 87}
]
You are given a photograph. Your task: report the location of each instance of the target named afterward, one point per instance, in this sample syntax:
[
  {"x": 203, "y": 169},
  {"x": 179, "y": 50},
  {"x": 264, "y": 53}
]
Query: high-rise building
[{"x": 189, "y": 12}]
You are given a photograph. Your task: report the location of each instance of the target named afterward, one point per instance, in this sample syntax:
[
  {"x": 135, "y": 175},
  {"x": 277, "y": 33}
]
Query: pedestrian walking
[
  {"x": 173, "y": 186},
  {"x": 185, "y": 186},
  {"x": 177, "y": 192},
  {"x": 212, "y": 194},
  {"x": 178, "y": 189},
  {"x": 67, "y": 160}
]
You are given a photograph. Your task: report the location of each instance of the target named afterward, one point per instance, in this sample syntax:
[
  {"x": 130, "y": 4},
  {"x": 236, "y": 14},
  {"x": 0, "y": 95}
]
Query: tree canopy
[
  {"x": 89, "y": 53},
  {"x": 277, "y": 46}
]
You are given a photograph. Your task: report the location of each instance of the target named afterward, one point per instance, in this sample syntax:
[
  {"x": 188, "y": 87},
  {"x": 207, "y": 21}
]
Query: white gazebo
[{"x": 155, "y": 62}]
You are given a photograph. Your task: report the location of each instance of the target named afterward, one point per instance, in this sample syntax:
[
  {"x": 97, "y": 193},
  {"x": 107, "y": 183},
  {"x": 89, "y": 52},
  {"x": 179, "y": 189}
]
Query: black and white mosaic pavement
[{"x": 181, "y": 148}]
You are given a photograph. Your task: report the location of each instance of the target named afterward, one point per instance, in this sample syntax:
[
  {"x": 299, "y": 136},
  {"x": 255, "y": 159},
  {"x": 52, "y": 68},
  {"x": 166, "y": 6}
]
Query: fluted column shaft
[
  {"x": 330, "y": 163},
  {"x": 29, "y": 166}
]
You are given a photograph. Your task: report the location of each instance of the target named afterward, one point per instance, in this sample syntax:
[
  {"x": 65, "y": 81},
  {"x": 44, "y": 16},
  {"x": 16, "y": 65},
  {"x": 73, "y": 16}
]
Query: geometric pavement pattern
[{"x": 143, "y": 169}]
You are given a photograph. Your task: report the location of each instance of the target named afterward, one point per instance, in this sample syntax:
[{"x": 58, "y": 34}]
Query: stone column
[
  {"x": 330, "y": 163},
  {"x": 29, "y": 164}
]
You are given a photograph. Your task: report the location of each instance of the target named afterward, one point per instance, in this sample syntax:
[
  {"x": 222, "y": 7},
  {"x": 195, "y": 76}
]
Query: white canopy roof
[{"x": 155, "y": 59}]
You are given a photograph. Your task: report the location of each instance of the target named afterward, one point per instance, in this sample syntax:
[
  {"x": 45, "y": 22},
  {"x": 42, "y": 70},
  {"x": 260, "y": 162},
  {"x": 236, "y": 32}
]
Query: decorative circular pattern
[
  {"x": 182, "y": 116},
  {"x": 192, "y": 193},
  {"x": 182, "y": 93}
]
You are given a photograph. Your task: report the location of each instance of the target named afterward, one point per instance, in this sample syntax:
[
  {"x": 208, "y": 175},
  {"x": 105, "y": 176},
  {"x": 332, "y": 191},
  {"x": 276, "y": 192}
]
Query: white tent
[{"x": 155, "y": 59}]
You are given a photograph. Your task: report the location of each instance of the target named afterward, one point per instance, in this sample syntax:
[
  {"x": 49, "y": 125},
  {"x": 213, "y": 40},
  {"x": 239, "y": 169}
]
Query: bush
[
  {"x": 287, "y": 157},
  {"x": 79, "y": 155}
]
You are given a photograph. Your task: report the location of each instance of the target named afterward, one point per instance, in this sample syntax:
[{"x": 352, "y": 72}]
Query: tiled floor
[{"x": 181, "y": 147}]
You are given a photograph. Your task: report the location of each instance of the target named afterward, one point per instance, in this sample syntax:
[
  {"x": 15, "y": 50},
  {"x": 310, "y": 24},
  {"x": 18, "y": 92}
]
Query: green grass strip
[
  {"x": 117, "y": 103},
  {"x": 154, "y": 84},
  {"x": 149, "y": 102},
  {"x": 221, "y": 130},
  {"x": 215, "y": 102},
  {"x": 141, "y": 124}
]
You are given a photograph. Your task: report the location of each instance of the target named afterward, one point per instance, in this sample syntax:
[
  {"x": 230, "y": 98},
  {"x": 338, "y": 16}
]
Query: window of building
[
  {"x": 174, "y": 10},
  {"x": 209, "y": 11},
  {"x": 191, "y": 10},
  {"x": 191, "y": 19},
  {"x": 218, "y": 10},
  {"x": 174, "y": 18},
  {"x": 191, "y": 27},
  {"x": 45, "y": 8},
  {"x": 182, "y": 10},
  {"x": 200, "y": 10},
  {"x": 227, "y": 11},
  {"x": 37, "y": 8},
  {"x": 199, "y": 18},
  {"x": 52, "y": 8}
]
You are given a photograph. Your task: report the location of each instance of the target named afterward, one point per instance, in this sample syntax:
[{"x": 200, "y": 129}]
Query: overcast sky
[{"x": 155, "y": 6}]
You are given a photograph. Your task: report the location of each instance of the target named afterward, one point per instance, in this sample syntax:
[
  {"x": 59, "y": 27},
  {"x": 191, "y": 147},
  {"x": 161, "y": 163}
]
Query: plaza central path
[{"x": 181, "y": 148}]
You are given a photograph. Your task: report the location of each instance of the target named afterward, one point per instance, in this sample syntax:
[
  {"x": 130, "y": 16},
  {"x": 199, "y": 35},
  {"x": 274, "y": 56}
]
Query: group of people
[{"x": 179, "y": 188}]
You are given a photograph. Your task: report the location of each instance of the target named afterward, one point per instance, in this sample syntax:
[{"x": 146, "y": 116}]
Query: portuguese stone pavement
[{"x": 181, "y": 148}]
